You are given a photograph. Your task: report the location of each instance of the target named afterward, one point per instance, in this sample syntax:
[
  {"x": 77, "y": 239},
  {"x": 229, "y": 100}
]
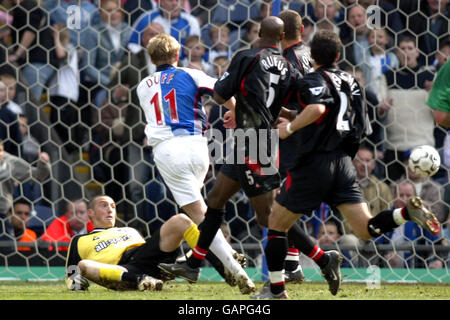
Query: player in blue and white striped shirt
[
  {"x": 176, "y": 22},
  {"x": 176, "y": 119}
]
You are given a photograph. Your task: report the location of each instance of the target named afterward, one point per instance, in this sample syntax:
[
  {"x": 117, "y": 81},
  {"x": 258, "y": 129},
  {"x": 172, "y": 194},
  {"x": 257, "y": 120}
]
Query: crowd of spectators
[{"x": 81, "y": 60}]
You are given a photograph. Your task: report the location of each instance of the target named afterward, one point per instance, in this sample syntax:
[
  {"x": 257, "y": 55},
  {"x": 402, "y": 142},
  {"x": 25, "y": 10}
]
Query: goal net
[{"x": 69, "y": 71}]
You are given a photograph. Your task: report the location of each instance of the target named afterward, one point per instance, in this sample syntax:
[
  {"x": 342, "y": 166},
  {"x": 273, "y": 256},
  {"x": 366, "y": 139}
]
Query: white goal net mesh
[{"x": 69, "y": 70}]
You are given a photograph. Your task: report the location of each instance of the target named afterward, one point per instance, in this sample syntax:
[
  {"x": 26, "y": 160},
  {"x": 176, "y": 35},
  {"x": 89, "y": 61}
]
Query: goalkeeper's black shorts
[{"x": 145, "y": 259}]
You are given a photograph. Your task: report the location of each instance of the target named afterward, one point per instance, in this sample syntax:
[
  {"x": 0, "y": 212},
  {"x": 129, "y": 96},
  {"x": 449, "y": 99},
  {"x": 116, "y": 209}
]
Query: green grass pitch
[{"x": 180, "y": 290}]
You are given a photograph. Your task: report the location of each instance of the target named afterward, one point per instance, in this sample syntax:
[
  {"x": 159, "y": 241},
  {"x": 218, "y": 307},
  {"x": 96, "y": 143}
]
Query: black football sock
[
  {"x": 275, "y": 251},
  {"x": 383, "y": 222},
  {"x": 216, "y": 263},
  {"x": 129, "y": 277},
  {"x": 209, "y": 228},
  {"x": 295, "y": 234},
  {"x": 318, "y": 256},
  {"x": 292, "y": 259},
  {"x": 303, "y": 242}
]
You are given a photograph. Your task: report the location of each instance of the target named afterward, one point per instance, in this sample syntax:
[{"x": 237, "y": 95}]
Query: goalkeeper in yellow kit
[{"x": 119, "y": 258}]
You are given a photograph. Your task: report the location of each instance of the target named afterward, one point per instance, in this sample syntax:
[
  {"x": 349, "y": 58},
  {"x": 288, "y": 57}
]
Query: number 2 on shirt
[
  {"x": 170, "y": 101},
  {"x": 342, "y": 125}
]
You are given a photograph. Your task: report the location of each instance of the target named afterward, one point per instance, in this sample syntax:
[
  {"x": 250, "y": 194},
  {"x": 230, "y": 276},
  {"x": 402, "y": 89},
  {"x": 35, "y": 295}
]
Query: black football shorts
[
  {"x": 253, "y": 183},
  {"x": 145, "y": 258},
  {"x": 254, "y": 177},
  {"x": 328, "y": 177}
]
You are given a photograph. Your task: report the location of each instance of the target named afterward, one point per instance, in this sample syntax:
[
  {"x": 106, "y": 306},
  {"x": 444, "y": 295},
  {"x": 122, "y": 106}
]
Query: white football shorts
[{"x": 183, "y": 163}]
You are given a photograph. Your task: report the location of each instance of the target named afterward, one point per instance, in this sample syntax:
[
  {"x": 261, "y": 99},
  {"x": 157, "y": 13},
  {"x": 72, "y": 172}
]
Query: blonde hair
[
  {"x": 163, "y": 49},
  {"x": 8, "y": 79}
]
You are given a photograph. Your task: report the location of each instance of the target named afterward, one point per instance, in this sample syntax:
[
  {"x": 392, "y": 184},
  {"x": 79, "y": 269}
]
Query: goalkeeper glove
[{"x": 78, "y": 282}]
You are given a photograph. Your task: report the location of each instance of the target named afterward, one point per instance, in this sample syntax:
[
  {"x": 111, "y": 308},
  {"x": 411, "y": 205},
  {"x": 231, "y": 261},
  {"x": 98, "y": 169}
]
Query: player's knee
[
  {"x": 180, "y": 222},
  {"x": 262, "y": 214},
  {"x": 184, "y": 221},
  {"x": 83, "y": 267},
  {"x": 263, "y": 218},
  {"x": 262, "y": 221}
]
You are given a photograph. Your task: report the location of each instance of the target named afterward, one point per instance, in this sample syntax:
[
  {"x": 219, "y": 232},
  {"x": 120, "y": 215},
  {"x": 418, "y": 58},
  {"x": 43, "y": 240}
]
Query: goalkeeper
[{"x": 119, "y": 258}]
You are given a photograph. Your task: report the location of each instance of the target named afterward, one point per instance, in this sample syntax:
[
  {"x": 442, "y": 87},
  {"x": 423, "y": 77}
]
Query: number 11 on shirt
[{"x": 171, "y": 103}]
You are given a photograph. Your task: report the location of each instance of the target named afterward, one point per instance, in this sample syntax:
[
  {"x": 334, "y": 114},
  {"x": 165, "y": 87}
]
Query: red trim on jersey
[
  {"x": 242, "y": 87},
  {"x": 196, "y": 99},
  {"x": 273, "y": 237},
  {"x": 287, "y": 97},
  {"x": 304, "y": 105},
  {"x": 254, "y": 167},
  {"x": 242, "y": 84},
  {"x": 296, "y": 57},
  {"x": 195, "y": 104},
  {"x": 288, "y": 180},
  {"x": 271, "y": 46},
  {"x": 293, "y": 45},
  {"x": 320, "y": 120}
]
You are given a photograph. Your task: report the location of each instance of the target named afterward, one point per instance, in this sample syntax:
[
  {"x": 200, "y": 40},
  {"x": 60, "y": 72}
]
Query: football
[{"x": 424, "y": 161}]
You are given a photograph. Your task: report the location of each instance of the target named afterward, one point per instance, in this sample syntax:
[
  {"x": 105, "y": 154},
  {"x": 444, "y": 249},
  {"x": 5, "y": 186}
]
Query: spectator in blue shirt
[
  {"x": 176, "y": 22},
  {"x": 106, "y": 45}
]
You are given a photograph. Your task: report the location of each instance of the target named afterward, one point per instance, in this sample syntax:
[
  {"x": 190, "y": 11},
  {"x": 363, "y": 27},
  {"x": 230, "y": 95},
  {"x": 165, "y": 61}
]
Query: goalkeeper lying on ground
[{"x": 119, "y": 258}]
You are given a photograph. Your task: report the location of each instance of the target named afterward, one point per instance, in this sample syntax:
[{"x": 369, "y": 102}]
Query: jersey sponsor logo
[
  {"x": 102, "y": 245},
  {"x": 316, "y": 90}
]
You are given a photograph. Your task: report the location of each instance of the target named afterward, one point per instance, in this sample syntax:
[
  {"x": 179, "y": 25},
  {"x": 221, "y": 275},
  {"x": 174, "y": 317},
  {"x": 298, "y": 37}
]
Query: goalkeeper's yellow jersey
[{"x": 103, "y": 245}]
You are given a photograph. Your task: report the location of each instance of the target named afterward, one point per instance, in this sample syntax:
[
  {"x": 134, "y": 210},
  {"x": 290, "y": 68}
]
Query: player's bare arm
[
  {"x": 288, "y": 114},
  {"x": 229, "y": 117},
  {"x": 229, "y": 104},
  {"x": 310, "y": 114},
  {"x": 442, "y": 117}
]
